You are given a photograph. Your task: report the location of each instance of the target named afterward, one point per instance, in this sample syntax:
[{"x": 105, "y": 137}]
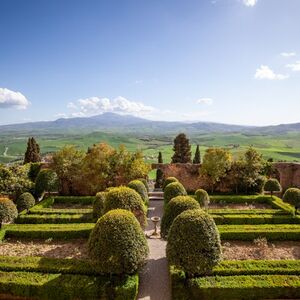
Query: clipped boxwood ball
[
  {"x": 126, "y": 198},
  {"x": 168, "y": 181},
  {"x": 25, "y": 201},
  {"x": 145, "y": 182},
  {"x": 8, "y": 211},
  {"x": 117, "y": 243},
  {"x": 140, "y": 188},
  {"x": 292, "y": 195},
  {"x": 174, "y": 208},
  {"x": 98, "y": 204},
  {"x": 202, "y": 197},
  {"x": 172, "y": 190},
  {"x": 272, "y": 185},
  {"x": 194, "y": 243}
]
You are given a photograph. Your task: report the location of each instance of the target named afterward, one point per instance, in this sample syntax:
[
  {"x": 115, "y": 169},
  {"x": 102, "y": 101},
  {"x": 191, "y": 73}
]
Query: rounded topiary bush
[
  {"x": 194, "y": 243},
  {"x": 174, "y": 208},
  {"x": 172, "y": 190},
  {"x": 117, "y": 243},
  {"x": 272, "y": 185},
  {"x": 145, "y": 182},
  {"x": 46, "y": 181},
  {"x": 126, "y": 198},
  {"x": 140, "y": 188},
  {"x": 202, "y": 197},
  {"x": 25, "y": 201},
  {"x": 8, "y": 211},
  {"x": 98, "y": 204},
  {"x": 292, "y": 195},
  {"x": 168, "y": 181}
]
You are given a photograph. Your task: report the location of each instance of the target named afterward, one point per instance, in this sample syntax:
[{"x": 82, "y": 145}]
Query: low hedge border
[
  {"x": 282, "y": 232},
  {"x": 54, "y": 218},
  {"x": 69, "y": 211},
  {"x": 229, "y": 211},
  {"x": 67, "y": 287},
  {"x": 88, "y": 200},
  {"x": 249, "y": 286},
  {"x": 46, "y": 231}
]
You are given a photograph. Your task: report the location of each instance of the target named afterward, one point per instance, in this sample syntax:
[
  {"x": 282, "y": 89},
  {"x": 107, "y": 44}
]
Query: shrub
[
  {"x": 292, "y": 195},
  {"x": 145, "y": 182},
  {"x": 46, "y": 181},
  {"x": 172, "y": 190},
  {"x": 168, "y": 180},
  {"x": 117, "y": 243},
  {"x": 25, "y": 201},
  {"x": 126, "y": 198},
  {"x": 194, "y": 243},
  {"x": 272, "y": 185},
  {"x": 8, "y": 211},
  {"x": 202, "y": 197},
  {"x": 140, "y": 188},
  {"x": 98, "y": 204},
  {"x": 34, "y": 170},
  {"x": 175, "y": 207}
]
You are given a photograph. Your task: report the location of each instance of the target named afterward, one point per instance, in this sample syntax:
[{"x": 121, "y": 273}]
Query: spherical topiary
[
  {"x": 145, "y": 182},
  {"x": 292, "y": 195},
  {"x": 272, "y": 185},
  {"x": 126, "y": 198},
  {"x": 117, "y": 243},
  {"x": 8, "y": 211},
  {"x": 202, "y": 197},
  {"x": 194, "y": 243},
  {"x": 25, "y": 201},
  {"x": 98, "y": 204},
  {"x": 172, "y": 190},
  {"x": 46, "y": 181},
  {"x": 175, "y": 207},
  {"x": 139, "y": 187},
  {"x": 167, "y": 181}
]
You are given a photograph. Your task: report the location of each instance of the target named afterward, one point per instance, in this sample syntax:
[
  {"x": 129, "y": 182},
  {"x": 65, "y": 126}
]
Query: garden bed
[
  {"x": 71, "y": 205},
  {"x": 239, "y": 206}
]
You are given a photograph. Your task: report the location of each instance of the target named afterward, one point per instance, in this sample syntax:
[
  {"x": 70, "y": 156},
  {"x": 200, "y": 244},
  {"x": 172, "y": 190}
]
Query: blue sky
[{"x": 232, "y": 61}]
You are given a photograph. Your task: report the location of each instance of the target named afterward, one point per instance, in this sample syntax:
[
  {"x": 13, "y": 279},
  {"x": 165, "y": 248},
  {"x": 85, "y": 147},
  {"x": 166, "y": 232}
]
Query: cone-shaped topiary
[
  {"x": 140, "y": 188},
  {"x": 194, "y": 243},
  {"x": 292, "y": 195},
  {"x": 126, "y": 198},
  {"x": 145, "y": 182},
  {"x": 168, "y": 181},
  {"x": 8, "y": 211},
  {"x": 25, "y": 201},
  {"x": 117, "y": 244},
  {"x": 272, "y": 185},
  {"x": 202, "y": 197},
  {"x": 98, "y": 204},
  {"x": 172, "y": 190},
  {"x": 174, "y": 208}
]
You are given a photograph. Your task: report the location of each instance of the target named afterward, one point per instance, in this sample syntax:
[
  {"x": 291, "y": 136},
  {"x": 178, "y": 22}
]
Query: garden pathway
[{"x": 154, "y": 277}]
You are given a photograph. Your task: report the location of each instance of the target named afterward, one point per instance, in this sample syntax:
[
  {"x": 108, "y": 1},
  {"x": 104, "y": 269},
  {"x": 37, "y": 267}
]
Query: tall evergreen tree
[
  {"x": 159, "y": 173},
  {"x": 197, "y": 157},
  {"x": 32, "y": 153},
  {"x": 160, "y": 159},
  {"x": 182, "y": 149}
]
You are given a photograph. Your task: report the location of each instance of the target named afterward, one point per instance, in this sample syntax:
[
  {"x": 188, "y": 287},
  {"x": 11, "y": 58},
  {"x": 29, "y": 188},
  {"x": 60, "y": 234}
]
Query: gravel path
[{"x": 154, "y": 278}]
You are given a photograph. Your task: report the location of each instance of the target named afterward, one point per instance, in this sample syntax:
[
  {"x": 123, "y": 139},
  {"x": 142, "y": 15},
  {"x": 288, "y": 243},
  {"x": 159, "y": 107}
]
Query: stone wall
[{"x": 188, "y": 174}]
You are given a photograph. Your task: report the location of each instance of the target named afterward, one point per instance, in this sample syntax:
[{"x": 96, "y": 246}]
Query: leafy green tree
[
  {"x": 46, "y": 181},
  {"x": 272, "y": 185},
  {"x": 216, "y": 164},
  {"x": 32, "y": 154},
  {"x": 197, "y": 157},
  {"x": 182, "y": 149}
]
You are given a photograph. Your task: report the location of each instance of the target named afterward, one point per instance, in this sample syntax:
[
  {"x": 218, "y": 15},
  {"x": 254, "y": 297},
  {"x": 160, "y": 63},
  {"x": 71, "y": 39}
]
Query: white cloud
[
  {"x": 11, "y": 99},
  {"x": 207, "y": 101},
  {"x": 295, "y": 66},
  {"x": 288, "y": 54},
  {"x": 95, "y": 105},
  {"x": 250, "y": 2},
  {"x": 264, "y": 72}
]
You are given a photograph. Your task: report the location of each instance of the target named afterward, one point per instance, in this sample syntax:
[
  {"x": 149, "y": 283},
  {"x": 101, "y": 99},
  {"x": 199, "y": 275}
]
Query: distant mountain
[{"x": 111, "y": 122}]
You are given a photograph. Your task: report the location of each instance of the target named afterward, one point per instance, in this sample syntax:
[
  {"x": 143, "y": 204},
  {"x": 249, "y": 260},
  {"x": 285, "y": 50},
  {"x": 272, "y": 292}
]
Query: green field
[{"x": 285, "y": 147}]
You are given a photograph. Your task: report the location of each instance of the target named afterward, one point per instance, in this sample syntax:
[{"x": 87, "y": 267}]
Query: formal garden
[{"x": 81, "y": 227}]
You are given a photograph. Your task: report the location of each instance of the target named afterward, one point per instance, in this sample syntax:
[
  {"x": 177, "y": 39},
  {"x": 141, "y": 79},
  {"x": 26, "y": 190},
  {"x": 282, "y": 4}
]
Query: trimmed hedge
[
  {"x": 8, "y": 211},
  {"x": 140, "y": 188},
  {"x": 54, "y": 218},
  {"x": 168, "y": 181},
  {"x": 271, "y": 232},
  {"x": 98, "y": 204},
  {"x": 25, "y": 201},
  {"x": 67, "y": 287},
  {"x": 46, "y": 231},
  {"x": 84, "y": 200},
  {"x": 173, "y": 190},
  {"x": 202, "y": 197},
  {"x": 292, "y": 195},
  {"x": 232, "y": 211},
  {"x": 145, "y": 182},
  {"x": 68, "y": 211}
]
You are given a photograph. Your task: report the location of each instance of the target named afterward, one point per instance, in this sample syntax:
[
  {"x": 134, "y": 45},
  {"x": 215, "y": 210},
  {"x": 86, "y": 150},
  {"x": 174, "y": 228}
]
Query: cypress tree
[
  {"x": 32, "y": 153},
  {"x": 159, "y": 173},
  {"x": 160, "y": 159},
  {"x": 182, "y": 149},
  {"x": 197, "y": 157}
]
